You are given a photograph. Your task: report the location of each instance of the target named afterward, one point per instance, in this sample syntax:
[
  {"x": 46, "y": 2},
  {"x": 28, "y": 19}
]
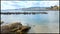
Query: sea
[{"x": 50, "y": 19}]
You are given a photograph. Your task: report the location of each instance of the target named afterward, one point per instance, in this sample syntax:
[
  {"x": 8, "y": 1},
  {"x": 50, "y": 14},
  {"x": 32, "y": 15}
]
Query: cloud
[
  {"x": 25, "y": 4},
  {"x": 7, "y": 5},
  {"x": 49, "y": 3}
]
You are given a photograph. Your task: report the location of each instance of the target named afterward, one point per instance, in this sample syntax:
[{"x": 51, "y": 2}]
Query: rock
[
  {"x": 15, "y": 25},
  {"x": 1, "y": 22},
  {"x": 15, "y": 28},
  {"x": 18, "y": 31},
  {"x": 25, "y": 28},
  {"x": 10, "y": 27}
]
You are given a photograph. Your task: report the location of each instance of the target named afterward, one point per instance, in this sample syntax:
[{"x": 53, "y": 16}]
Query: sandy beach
[{"x": 44, "y": 29}]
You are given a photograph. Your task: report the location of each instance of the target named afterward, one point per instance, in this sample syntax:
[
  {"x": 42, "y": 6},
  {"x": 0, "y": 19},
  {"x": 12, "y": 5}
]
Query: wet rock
[{"x": 14, "y": 28}]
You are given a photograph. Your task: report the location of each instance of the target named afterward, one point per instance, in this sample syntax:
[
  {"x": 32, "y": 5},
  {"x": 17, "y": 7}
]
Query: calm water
[
  {"x": 50, "y": 20},
  {"x": 41, "y": 19}
]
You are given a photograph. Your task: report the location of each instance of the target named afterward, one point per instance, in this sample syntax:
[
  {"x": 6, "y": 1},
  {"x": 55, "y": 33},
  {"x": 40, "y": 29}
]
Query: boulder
[
  {"x": 25, "y": 28},
  {"x": 16, "y": 27},
  {"x": 9, "y": 27},
  {"x": 1, "y": 22}
]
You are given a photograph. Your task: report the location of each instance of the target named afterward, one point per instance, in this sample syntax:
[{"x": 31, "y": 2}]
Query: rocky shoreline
[{"x": 14, "y": 28}]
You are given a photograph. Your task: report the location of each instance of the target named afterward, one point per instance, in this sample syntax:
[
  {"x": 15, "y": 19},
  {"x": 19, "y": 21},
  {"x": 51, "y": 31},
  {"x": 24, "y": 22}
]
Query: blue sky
[{"x": 26, "y": 4}]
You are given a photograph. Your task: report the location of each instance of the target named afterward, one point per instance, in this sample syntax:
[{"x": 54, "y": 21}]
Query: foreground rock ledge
[{"x": 14, "y": 28}]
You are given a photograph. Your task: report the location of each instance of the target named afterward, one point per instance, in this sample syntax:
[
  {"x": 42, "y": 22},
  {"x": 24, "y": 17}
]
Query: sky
[
  {"x": 30, "y": 0},
  {"x": 25, "y": 4}
]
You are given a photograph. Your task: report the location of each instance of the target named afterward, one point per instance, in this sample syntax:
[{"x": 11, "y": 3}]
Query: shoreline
[
  {"x": 43, "y": 29},
  {"x": 35, "y": 28}
]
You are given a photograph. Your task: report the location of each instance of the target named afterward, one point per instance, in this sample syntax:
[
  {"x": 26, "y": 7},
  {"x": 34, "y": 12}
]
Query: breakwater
[{"x": 23, "y": 13}]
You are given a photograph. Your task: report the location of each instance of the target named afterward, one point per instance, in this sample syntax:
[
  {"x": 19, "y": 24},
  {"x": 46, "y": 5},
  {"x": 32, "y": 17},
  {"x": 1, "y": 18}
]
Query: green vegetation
[{"x": 55, "y": 7}]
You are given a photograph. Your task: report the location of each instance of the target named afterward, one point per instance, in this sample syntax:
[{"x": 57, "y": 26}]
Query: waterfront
[{"x": 39, "y": 22}]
